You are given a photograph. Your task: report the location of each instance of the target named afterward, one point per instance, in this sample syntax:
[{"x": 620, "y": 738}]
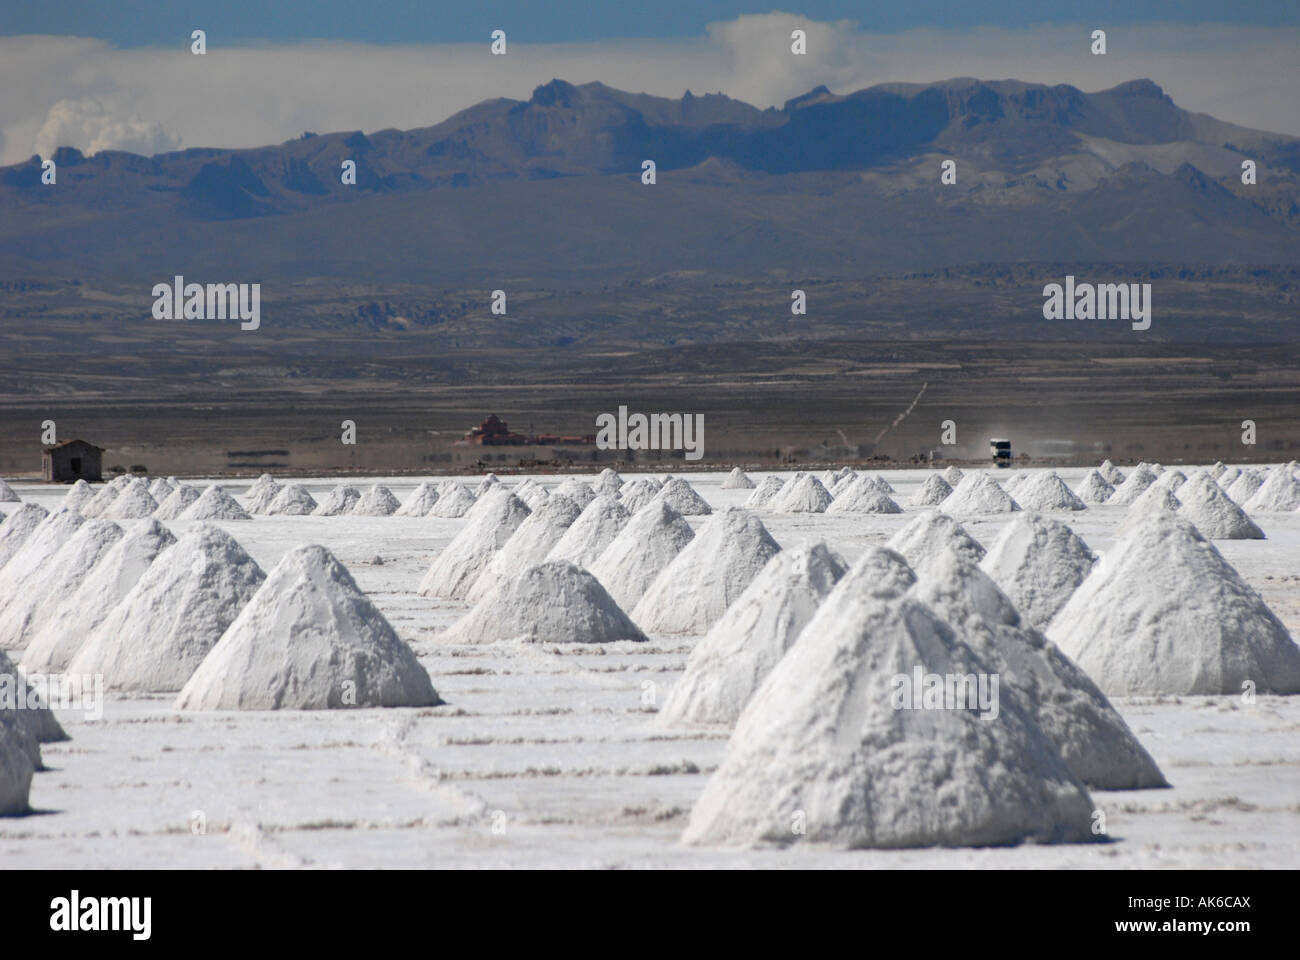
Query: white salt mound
[
  {"x": 1228, "y": 475},
  {"x": 532, "y": 493},
  {"x": 643, "y": 548},
  {"x": 1111, "y": 473},
  {"x": 1038, "y": 563},
  {"x": 593, "y": 531},
  {"x": 1212, "y": 511},
  {"x": 953, "y": 476},
  {"x": 133, "y": 503},
  {"x": 694, "y": 590},
  {"x": 1217, "y": 470},
  {"x": 103, "y": 497},
  {"x": 609, "y": 482},
  {"x": 262, "y": 494},
  {"x": 1047, "y": 491},
  {"x": 803, "y": 494},
  {"x": 80, "y": 494},
  {"x": 419, "y": 502},
  {"x": 577, "y": 491},
  {"x": 1280, "y": 491},
  {"x": 1171, "y": 480},
  {"x": 637, "y": 493},
  {"x": 1245, "y": 486},
  {"x": 882, "y": 484},
  {"x": 486, "y": 484},
  {"x": 292, "y": 500},
  {"x": 7, "y": 494},
  {"x": 932, "y": 492},
  {"x": 21, "y": 724},
  {"x": 978, "y": 494},
  {"x": 18, "y": 526},
  {"x": 737, "y": 480},
  {"x": 553, "y": 602},
  {"x": 75, "y": 618},
  {"x": 1152, "y": 500},
  {"x": 762, "y": 496},
  {"x": 30, "y": 563},
  {"x": 309, "y": 639},
  {"x": 681, "y": 496},
  {"x": 338, "y": 501},
  {"x": 215, "y": 504},
  {"x": 1164, "y": 613},
  {"x": 157, "y": 636},
  {"x": 740, "y": 650},
  {"x": 528, "y": 545},
  {"x": 34, "y": 598},
  {"x": 932, "y": 533},
  {"x": 863, "y": 495},
  {"x": 842, "y": 482},
  {"x": 16, "y": 769},
  {"x": 454, "y": 500},
  {"x": 463, "y": 560},
  {"x": 177, "y": 502},
  {"x": 1132, "y": 488},
  {"x": 1095, "y": 488},
  {"x": 378, "y": 501},
  {"x": 1092, "y": 737},
  {"x": 822, "y": 736}
]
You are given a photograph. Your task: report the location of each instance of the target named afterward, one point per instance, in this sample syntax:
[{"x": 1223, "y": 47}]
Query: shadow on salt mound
[
  {"x": 156, "y": 637},
  {"x": 681, "y": 496},
  {"x": 487, "y": 483},
  {"x": 215, "y": 504},
  {"x": 595, "y": 529},
  {"x": 378, "y": 501},
  {"x": 532, "y": 493},
  {"x": 932, "y": 492},
  {"x": 1038, "y": 562},
  {"x": 293, "y": 500},
  {"x": 528, "y": 545},
  {"x": 694, "y": 590},
  {"x": 1095, "y": 742},
  {"x": 19, "y": 526},
  {"x": 24, "y": 710},
  {"x": 262, "y": 494},
  {"x": 740, "y": 650},
  {"x": 553, "y": 602},
  {"x": 489, "y": 525},
  {"x": 652, "y": 538},
  {"x": 30, "y": 563},
  {"x": 1279, "y": 492},
  {"x": 978, "y": 494},
  {"x": 16, "y": 770},
  {"x": 832, "y": 736},
  {"x": 1247, "y": 483},
  {"x": 1137, "y": 483},
  {"x": 1164, "y": 613},
  {"x": 7, "y": 494},
  {"x": 177, "y": 502},
  {"x": 761, "y": 498},
  {"x": 309, "y": 639},
  {"x": 1212, "y": 511},
  {"x": 75, "y": 618},
  {"x": 930, "y": 534},
  {"x": 737, "y": 480}
]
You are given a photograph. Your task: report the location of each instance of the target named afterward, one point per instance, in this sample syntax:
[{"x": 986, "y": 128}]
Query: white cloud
[{"x": 82, "y": 92}]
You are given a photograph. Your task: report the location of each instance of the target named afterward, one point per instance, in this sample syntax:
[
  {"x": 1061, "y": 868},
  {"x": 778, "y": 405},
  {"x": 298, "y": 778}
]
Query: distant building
[
  {"x": 493, "y": 432},
  {"x": 71, "y": 460}
]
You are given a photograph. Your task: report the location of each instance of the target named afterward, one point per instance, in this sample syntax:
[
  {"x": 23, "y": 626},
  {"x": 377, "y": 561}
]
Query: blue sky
[{"x": 133, "y": 23}]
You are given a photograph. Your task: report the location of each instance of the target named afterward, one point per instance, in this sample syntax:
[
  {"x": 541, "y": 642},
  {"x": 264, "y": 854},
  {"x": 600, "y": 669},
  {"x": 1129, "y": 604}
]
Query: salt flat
[{"x": 550, "y": 756}]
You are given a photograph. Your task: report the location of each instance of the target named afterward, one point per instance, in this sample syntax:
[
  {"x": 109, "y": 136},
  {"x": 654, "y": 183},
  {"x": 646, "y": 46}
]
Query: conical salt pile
[
  {"x": 29, "y": 565},
  {"x": 652, "y": 538},
  {"x": 293, "y": 500},
  {"x": 338, "y": 501},
  {"x": 740, "y": 650},
  {"x": 803, "y": 494},
  {"x": 262, "y": 494},
  {"x": 16, "y": 769},
  {"x": 827, "y": 479},
  {"x": 486, "y": 484},
  {"x": 762, "y": 496},
  {"x": 1047, "y": 491},
  {"x": 1132, "y": 488},
  {"x": 553, "y": 602},
  {"x": 831, "y": 748},
  {"x": 532, "y": 493},
  {"x": 96, "y": 506},
  {"x": 1226, "y": 478},
  {"x": 1280, "y": 491},
  {"x": 419, "y": 502},
  {"x": 694, "y": 590},
  {"x": 1111, "y": 473},
  {"x": 24, "y": 716},
  {"x": 133, "y": 503},
  {"x": 80, "y": 494},
  {"x": 1038, "y": 562},
  {"x": 609, "y": 482},
  {"x": 1171, "y": 480},
  {"x": 1164, "y": 613},
  {"x": 7, "y": 494},
  {"x": 309, "y": 639},
  {"x": 978, "y": 494},
  {"x": 737, "y": 480},
  {"x": 843, "y": 481},
  {"x": 1217, "y": 470},
  {"x": 1151, "y": 500},
  {"x": 75, "y": 618},
  {"x": 932, "y": 492},
  {"x": 18, "y": 526},
  {"x": 160, "y": 488},
  {"x": 454, "y": 500},
  {"x": 178, "y": 501},
  {"x": 1212, "y": 511},
  {"x": 1245, "y": 486},
  {"x": 953, "y": 476},
  {"x": 463, "y": 560},
  {"x": 156, "y": 637},
  {"x": 863, "y": 495},
  {"x": 35, "y": 596},
  {"x": 528, "y": 545},
  {"x": 1095, "y": 488},
  {"x": 930, "y": 534},
  {"x": 637, "y": 493},
  {"x": 215, "y": 504},
  {"x": 577, "y": 491},
  {"x": 593, "y": 531},
  {"x": 681, "y": 496},
  {"x": 378, "y": 501},
  {"x": 1092, "y": 737}
]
